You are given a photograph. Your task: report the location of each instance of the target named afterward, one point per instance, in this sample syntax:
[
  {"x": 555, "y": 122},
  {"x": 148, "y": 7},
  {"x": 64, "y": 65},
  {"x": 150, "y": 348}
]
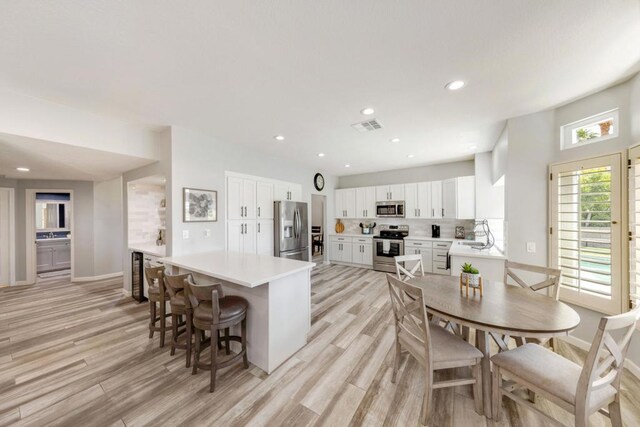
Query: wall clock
[{"x": 318, "y": 181}]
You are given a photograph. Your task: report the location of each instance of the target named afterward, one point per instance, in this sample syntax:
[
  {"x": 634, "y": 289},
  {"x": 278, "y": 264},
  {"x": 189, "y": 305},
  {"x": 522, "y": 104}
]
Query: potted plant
[
  {"x": 470, "y": 275},
  {"x": 604, "y": 127}
]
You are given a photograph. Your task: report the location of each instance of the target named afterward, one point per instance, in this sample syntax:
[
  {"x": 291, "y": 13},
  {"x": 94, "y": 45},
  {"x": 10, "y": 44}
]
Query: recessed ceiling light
[
  {"x": 473, "y": 147},
  {"x": 368, "y": 111},
  {"x": 279, "y": 137},
  {"x": 395, "y": 139},
  {"x": 347, "y": 166},
  {"x": 455, "y": 85},
  {"x": 411, "y": 156},
  {"x": 21, "y": 169},
  {"x": 320, "y": 154}
]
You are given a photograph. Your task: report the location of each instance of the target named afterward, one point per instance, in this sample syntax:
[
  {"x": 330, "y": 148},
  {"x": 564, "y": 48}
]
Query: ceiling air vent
[{"x": 367, "y": 126}]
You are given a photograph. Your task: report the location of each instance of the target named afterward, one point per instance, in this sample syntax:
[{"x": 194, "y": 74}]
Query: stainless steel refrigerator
[{"x": 291, "y": 239}]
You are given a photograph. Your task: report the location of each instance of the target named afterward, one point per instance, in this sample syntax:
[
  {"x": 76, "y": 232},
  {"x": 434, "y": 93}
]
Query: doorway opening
[
  {"x": 49, "y": 235},
  {"x": 318, "y": 227}
]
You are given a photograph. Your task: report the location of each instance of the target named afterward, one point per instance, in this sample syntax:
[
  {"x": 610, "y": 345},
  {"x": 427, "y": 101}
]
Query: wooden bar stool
[
  {"x": 212, "y": 311},
  {"x": 157, "y": 294},
  {"x": 180, "y": 306}
]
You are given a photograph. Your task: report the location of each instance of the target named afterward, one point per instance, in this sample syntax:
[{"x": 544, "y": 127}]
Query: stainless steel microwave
[{"x": 390, "y": 209}]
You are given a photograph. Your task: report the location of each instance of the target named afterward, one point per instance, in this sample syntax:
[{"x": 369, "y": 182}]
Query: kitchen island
[
  {"x": 490, "y": 262},
  {"x": 278, "y": 291}
]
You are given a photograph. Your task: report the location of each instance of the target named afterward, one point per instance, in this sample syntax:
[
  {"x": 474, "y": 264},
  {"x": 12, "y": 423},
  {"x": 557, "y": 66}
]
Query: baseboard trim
[
  {"x": 20, "y": 283},
  {"x": 94, "y": 278},
  {"x": 585, "y": 345}
]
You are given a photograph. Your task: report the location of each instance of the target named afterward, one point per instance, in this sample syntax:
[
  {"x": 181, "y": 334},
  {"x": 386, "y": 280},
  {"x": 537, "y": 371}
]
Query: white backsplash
[
  {"x": 145, "y": 216},
  {"x": 417, "y": 227}
]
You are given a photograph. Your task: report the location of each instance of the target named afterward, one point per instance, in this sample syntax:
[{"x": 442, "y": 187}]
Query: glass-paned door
[
  {"x": 585, "y": 232},
  {"x": 634, "y": 225}
]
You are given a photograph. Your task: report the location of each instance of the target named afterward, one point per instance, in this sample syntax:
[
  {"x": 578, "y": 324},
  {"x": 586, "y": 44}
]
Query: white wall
[
  {"x": 317, "y": 210},
  {"x": 200, "y": 161},
  {"x": 489, "y": 197},
  {"x": 37, "y": 118},
  {"x": 107, "y": 226},
  {"x": 499, "y": 156},
  {"x": 534, "y": 143},
  {"x": 403, "y": 176}
]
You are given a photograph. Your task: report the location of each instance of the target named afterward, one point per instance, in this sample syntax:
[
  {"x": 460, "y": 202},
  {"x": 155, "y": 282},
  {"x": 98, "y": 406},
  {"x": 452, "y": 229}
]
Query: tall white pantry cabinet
[{"x": 249, "y": 219}]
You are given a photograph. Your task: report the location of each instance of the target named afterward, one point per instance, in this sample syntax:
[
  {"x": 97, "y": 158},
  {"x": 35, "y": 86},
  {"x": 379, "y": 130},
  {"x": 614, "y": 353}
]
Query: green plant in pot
[{"x": 470, "y": 273}]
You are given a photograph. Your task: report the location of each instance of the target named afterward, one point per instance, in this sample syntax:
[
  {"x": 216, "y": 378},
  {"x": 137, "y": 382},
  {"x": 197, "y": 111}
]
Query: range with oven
[{"x": 387, "y": 245}]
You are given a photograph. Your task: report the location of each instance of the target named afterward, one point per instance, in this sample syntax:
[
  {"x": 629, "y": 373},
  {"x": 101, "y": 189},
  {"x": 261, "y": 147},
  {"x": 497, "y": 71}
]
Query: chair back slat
[
  {"x": 175, "y": 283},
  {"x": 153, "y": 273},
  {"x": 405, "y": 274},
  {"x": 551, "y": 283},
  {"x": 605, "y": 360},
  {"x": 410, "y": 314}
]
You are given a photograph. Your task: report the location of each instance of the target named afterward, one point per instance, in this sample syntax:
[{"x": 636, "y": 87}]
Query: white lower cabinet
[
  {"x": 362, "y": 251},
  {"x": 241, "y": 236},
  {"x": 264, "y": 239},
  {"x": 434, "y": 254},
  {"x": 352, "y": 250}
]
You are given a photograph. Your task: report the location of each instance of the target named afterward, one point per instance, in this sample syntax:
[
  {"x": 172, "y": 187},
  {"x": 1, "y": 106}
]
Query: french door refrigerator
[{"x": 291, "y": 234}]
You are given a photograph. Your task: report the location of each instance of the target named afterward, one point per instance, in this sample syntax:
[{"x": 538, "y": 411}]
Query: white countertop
[
  {"x": 149, "y": 249},
  {"x": 351, "y": 235},
  {"x": 248, "y": 270},
  {"x": 457, "y": 249},
  {"x": 429, "y": 239}
]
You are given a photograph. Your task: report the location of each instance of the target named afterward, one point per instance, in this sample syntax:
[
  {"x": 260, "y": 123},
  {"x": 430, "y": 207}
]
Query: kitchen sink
[{"x": 472, "y": 244}]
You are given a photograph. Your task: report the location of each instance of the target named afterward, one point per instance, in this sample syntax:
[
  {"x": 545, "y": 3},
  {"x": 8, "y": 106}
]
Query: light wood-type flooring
[{"x": 79, "y": 355}]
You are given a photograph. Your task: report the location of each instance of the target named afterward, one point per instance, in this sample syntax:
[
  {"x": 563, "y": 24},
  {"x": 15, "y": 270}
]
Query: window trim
[{"x": 566, "y": 131}]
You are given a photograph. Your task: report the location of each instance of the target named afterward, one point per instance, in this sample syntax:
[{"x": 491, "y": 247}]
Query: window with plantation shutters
[
  {"x": 634, "y": 225},
  {"x": 585, "y": 231}
]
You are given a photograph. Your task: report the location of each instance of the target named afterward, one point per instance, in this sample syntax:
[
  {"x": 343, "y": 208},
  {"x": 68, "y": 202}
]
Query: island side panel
[
  {"x": 257, "y": 318},
  {"x": 491, "y": 269},
  {"x": 289, "y": 316}
]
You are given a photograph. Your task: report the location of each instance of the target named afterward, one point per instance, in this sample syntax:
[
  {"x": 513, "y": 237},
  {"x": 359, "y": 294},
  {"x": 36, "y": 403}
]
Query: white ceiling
[
  {"x": 51, "y": 160},
  {"x": 248, "y": 70}
]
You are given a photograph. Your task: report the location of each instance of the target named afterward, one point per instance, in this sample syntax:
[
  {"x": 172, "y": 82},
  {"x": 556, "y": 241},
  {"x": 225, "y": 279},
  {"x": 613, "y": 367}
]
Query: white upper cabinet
[
  {"x": 346, "y": 203},
  {"x": 436, "y": 199},
  {"x": 241, "y": 198},
  {"x": 365, "y": 202},
  {"x": 411, "y": 200},
  {"x": 390, "y": 192},
  {"x": 417, "y": 198},
  {"x": 449, "y": 198},
  {"x": 264, "y": 200},
  {"x": 287, "y": 191},
  {"x": 458, "y": 198}
]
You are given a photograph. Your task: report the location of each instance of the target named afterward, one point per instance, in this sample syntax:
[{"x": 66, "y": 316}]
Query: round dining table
[{"x": 503, "y": 311}]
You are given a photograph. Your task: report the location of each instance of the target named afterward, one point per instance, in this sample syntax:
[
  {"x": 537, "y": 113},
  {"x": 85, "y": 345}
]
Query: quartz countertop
[
  {"x": 430, "y": 239},
  {"x": 149, "y": 249},
  {"x": 460, "y": 250},
  {"x": 351, "y": 235},
  {"x": 248, "y": 270}
]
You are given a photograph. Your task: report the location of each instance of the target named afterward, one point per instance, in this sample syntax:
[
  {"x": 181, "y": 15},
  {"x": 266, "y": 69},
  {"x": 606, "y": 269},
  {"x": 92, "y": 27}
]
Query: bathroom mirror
[{"x": 52, "y": 215}]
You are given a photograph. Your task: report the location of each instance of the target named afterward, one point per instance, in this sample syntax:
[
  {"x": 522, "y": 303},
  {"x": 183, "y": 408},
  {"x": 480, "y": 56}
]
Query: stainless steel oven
[
  {"x": 390, "y": 209},
  {"x": 388, "y": 245}
]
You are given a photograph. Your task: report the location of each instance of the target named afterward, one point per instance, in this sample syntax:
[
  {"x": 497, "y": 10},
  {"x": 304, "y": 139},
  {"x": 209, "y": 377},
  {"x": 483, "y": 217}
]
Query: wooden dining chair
[
  {"x": 405, "y": 273},
  {"x": 180, "y": 306},
  {"x": 580, "y": 390},
  {"x": 431, "y": 345},
  {"x": 550, "y": 284}
]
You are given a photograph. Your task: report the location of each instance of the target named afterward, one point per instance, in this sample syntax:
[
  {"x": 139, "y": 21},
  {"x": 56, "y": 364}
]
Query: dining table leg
[{"x": 482, "y": 342}]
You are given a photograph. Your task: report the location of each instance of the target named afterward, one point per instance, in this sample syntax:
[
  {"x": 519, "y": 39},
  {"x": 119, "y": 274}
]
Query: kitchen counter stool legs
[
  {"x": 157, "y": 295},
  {"x": 213, "y": 311}
]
